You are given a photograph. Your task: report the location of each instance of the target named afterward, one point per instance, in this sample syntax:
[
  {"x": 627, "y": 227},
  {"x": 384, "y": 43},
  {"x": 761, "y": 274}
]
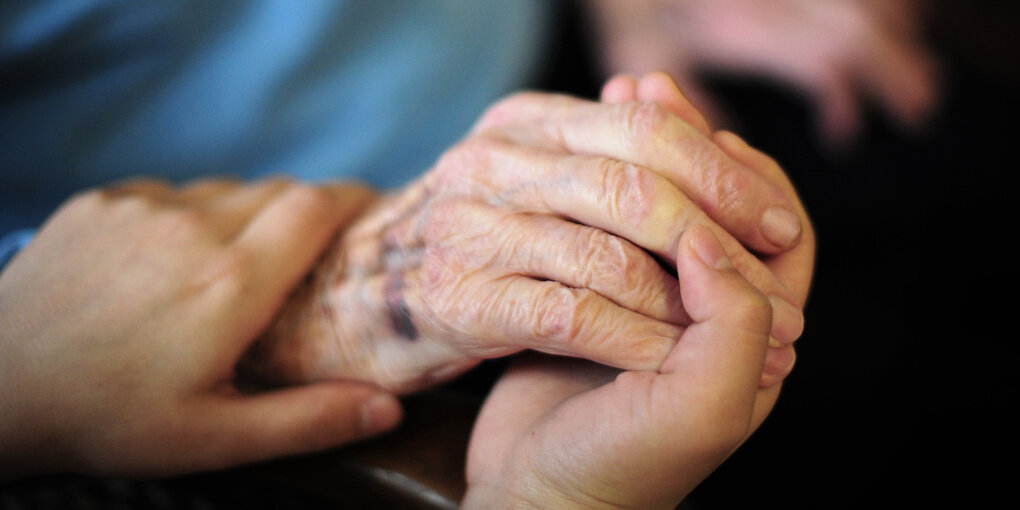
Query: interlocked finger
[
  {"x": 489, "y": 314},
  {"x": 623, "y": 199},
  {"x": 550, "y": 248}
]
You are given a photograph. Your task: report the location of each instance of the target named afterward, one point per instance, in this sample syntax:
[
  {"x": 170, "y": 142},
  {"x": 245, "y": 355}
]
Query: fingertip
[
  {"x": 780, "y": 227},
  {"x": 619, "y": 89},
  {"x": 351, "y": 411},
  {"x": 662, "y": 88},
  {"x": 779, "y": 362},
  {"x": 659, "y": 85},
  {"x": 300, "y": 419},
  {"x": 707, "y": 247},
  {"x": 380, "y": 412},
  {"x": 787, "y": 322},
  {"x": 711, "y": 287}
]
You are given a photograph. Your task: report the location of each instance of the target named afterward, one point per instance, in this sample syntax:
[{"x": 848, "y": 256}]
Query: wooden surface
[{"x": 419, "y": 466}]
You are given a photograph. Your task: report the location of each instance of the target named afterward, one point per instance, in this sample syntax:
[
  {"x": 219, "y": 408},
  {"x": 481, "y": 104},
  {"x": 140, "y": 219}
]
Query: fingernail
[
  {"x": 780, "y": 226},
  {"x": 708, "y": 249},
  {"x": 380, "y": 412},
  {"x": 787, "y": 320},
  {"x": 775, "y": 343}
]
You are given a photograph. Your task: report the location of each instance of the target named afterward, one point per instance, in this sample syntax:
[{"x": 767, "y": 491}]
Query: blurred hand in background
[{"x": 839, "y": 53}]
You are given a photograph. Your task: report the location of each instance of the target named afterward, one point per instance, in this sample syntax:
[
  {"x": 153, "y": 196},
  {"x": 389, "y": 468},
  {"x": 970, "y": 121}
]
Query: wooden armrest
[{"x": 418, "y": 466}]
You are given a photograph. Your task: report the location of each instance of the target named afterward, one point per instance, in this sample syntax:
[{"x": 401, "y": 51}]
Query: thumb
[
  {"x": 676, "y": 426},
  {"x": 718, "y": 360},
  {"x": 293, "y": 420}
]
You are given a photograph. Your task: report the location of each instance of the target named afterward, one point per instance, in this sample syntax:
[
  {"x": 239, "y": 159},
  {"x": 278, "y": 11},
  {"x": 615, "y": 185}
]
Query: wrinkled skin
[
  {"x": 839, "y": 53},
  {"x": 545, "y": 229},
  {"x": 561, "y": 433}
]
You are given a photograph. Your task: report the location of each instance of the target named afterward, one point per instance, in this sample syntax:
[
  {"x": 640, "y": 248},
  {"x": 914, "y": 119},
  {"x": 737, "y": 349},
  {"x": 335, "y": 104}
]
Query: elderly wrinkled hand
[{"x": 547, "y": 228}]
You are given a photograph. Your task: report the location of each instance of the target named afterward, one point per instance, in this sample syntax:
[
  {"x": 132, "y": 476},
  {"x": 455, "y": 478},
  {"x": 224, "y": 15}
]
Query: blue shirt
[{"x": 97, "y": 90}]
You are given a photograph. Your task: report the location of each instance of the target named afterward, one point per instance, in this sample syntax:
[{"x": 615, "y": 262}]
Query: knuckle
[
  {"x": 754, "y": 308},
  {"x": 443, "y": 285},
  {"x": 644, "y": 122},
  {"x": 436, "y": 266},
  {"x": 559, "y": 318},
  {"x": 731, "y": 187},
  {"x": 603, "y": 256},
  {"x": 186, "y": 224},
  {"x": 87, "y": 200},
  {"x": 502, "y": 110},
  {"x": 465, "y": 159},
  {"x": 128, "y": 203},
  {"x": 439, "y": 219},
  {"x": 619, "y": 270},
  {"x": 628, "y": 192},
  {"x": 308, "y": 199}
]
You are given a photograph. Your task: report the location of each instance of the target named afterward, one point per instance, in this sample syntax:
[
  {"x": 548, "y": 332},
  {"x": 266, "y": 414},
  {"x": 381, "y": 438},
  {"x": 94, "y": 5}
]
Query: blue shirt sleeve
[
  {"x": 100, "y": 90},
  {"x": 12, "y": 243}
]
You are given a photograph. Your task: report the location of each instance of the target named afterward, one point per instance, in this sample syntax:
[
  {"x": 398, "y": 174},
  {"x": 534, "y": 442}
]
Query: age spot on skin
[{"x": 396, "y": 306}]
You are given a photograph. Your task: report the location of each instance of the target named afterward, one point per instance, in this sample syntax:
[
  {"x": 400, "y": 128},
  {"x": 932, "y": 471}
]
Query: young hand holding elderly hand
[{"x": 544, "y": 229}]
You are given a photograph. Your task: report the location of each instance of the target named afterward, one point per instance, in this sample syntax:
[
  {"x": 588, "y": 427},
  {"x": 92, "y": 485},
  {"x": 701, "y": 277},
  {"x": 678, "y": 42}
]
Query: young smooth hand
[
  {"x": 562, "y": 433},
  {"x": 122, "y": 322}
]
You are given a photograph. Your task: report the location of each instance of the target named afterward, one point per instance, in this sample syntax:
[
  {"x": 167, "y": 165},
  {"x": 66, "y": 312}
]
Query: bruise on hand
[{"x": 397, "y": 309}]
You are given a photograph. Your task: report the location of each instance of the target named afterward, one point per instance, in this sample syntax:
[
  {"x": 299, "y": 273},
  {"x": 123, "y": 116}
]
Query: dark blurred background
[{"x": 905, "y": 377}]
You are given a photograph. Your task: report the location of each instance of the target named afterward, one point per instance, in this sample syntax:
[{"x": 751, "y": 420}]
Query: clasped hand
[
  {"x": 554, "y": 226},
  {"x": 547, "y": 228}
]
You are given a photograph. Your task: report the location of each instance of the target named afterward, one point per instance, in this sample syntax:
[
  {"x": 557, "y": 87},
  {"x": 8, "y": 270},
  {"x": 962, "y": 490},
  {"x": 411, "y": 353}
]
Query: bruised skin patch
[{"x": 396, "y": 306}]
